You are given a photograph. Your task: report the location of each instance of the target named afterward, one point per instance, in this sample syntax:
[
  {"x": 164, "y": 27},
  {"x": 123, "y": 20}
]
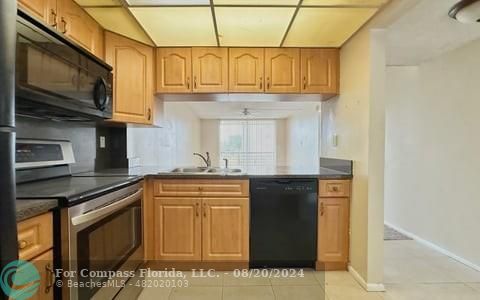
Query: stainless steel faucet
[
  {"x": 226, "y": 163},
  {"x": 207, "y": 160}
]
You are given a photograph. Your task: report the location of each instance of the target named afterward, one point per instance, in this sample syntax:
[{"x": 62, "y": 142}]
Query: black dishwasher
[{"x": 283, "y": 222}]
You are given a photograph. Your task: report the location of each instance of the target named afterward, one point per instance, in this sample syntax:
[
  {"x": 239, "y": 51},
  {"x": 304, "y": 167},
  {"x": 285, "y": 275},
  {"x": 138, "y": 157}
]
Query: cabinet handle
[
  {"x": 322, "y": 209},
  {"x": 261, "y": 83},
  {"x": 53, "y": 15},
  {"x": 304, "y": 82},
  {"x": 149, "y": 114},
  {"x": 194, "y": 82},
  {"x": 205, "y": 207},
  {"x": 197, "y": 209},
  {"x": 50, "y": 278},
  {"x": 22, "y": 244},
  {"x": 188, "y": 82},
  {"x": 268, "y": 83},
  {"x": 335, "y": 188},
  {"x": 64, "y": 25}
]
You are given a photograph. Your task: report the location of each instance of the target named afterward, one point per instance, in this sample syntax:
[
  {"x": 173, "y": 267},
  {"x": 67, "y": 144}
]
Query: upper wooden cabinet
[
  {"x": 210, "y": 70},
  {"x": 132, "y": 64},
  {"x": 282, "y": 70},
  {"x": 174, "y": 70},
  {"x": 246, "y": 70},
  {"x": 70, "y": 19},
  {"x": 44, "y": 10},
  {"x": 320, "y": 69}
]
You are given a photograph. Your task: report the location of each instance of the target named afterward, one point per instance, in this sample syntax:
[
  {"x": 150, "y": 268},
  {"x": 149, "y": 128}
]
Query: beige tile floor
[{"x": 412, "y": 272}]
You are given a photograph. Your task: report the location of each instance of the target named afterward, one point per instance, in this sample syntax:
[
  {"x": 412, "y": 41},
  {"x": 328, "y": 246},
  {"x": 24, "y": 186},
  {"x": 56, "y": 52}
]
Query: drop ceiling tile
[
  {"x": 99, "y": 2},
  {"x": 345, "y": 2},
  {"x": 326, "y": 27},
  {"x": 255, "y": 2},
  {"x": 248, "y": 26},
  {"x": 177, "y": 26},
  {"x": 168, "y": 2},
  {"x": 117, "y": 19}
]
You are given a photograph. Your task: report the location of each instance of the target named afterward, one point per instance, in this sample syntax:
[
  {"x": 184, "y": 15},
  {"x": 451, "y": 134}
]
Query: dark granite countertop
[
  {"x": 31, "y": 208},
  {"x": 284, "y": 172}
]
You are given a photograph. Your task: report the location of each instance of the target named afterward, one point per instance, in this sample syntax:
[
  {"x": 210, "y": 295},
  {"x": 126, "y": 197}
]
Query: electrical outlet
[
  {"x": 335, "y": 140},
  {"x": 102, "y": 142}
]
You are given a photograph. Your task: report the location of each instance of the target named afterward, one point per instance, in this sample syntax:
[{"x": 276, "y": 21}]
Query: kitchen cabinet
[
  {"x": 210, "y": 70},
  {"x": 44, "y": 10},
  {"x": 225, "y": 229},
  {"x": 69, "y": 18},
  {"x": 205, "y": 226},
  {"x": 282, "y": 70},
  {"x": 35, "y": 244},
  {"x": 174, "y": 70},
  {"x": 246, "y": 70},
  {"x": 132, "y": 64},
  {"x": 319, "y": 71},
  {"x": 178, "y": 229},
  {"x": 333, "y": 225}
]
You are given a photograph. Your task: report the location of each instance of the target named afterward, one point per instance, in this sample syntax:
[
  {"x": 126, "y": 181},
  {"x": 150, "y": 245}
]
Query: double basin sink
[{"x": 206, "y": 171}]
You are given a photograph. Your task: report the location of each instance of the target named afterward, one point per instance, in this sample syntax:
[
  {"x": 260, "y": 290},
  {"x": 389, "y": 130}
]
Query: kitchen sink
[{"x": 204, "y": 171}]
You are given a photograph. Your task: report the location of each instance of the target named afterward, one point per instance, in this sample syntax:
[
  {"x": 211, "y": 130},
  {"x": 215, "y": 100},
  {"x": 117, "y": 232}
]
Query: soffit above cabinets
[{"x": 231, "y": 23}]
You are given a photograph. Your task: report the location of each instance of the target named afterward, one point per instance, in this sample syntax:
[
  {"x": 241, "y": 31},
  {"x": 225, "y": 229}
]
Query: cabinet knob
[
  {"x": 205, "y": 207},
  {"x": 188, "y": 82},
  {"x": 322, "y": 209},
  {"x": 50, "y": 278},
  {"x": 304, "y": 82},
  {"x": 268, "y": 83},
  {"x": 53, "y": 16},
  {"x": 64, "y": 30},
  {"x": 149, "y": 114},
  {"x": 194, "y": 82},
  {"x": 22, "y": 244},
  {"x": 261, "y": 83},
  {"x": 197, "y": 209}
]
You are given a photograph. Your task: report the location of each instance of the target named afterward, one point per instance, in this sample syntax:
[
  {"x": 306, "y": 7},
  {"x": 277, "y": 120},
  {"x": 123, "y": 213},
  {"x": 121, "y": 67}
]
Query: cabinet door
[
  {"x": 333, "y": 229},
  {"x": 177, "y": 230},
  {"x": 76, "y": 24},
  {"x": 246, "y": 70},
  {"x": 44, "y": 266},
  {"x": 282, "y": 70},
  {"x": 210, "y": 70},
  {"x": 320, "y": 70},
  {"x": 132, "y": 64},
  {"x": 225, "y": 229},
  {"x": 174, "y": 70},
  {"x": 44, "y": 10}
]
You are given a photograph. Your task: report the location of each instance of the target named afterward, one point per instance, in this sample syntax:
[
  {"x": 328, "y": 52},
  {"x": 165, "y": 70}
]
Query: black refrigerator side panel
[
  {"x": 8, "y": 33},
  {"x": 8, "y": 223}
]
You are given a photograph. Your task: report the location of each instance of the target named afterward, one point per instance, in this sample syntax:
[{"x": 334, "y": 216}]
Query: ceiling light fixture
[{"x": 466, "y": 11}]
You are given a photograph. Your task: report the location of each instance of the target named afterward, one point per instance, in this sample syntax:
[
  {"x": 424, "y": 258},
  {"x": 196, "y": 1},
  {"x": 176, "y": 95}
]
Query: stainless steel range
[{"x": 100, "y": 219}]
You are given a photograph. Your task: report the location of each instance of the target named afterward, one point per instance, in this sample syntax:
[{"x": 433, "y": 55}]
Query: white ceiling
[
  {"x": 425, "y": 32},
  {"x": 258, "y": 110}
]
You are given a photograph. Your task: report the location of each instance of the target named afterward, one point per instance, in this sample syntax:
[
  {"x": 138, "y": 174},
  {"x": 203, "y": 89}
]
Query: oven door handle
[{"x": 98, "y": 213}]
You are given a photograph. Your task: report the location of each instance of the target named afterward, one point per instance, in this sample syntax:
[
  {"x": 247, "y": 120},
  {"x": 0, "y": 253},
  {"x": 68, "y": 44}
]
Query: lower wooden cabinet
[
  {"x": 44, "y": 265},
  {"x": 178, "y": 233},
  {"x": 225, "y": 229},
  {"x": 196, "y": 229},
  {"x": 333, "y": 226}
]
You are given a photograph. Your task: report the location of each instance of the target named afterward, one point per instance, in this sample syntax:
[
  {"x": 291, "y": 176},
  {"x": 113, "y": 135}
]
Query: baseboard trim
[
  {"x": 434, "y": 247},
  {"x": 369, "y": 287}
]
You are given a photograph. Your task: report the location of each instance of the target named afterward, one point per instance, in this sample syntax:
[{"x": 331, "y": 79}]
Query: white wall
[
  {"x": 432, "y": 151},
  {"x": 357, "y": 117},
  {"x": 169, "y": 146},
  {"x": 302, "y": 140}
]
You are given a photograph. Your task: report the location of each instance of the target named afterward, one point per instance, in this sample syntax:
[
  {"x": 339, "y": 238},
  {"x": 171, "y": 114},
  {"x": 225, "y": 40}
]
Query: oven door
[{"x": 103, "y": 240}]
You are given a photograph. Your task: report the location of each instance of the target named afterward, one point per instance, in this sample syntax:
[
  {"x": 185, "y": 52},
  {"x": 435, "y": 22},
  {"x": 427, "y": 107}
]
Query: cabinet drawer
[
  {"x": 35, "y": 236},
  {"x": 334, "y": 188},
  {"x": 201, "y": 188}
]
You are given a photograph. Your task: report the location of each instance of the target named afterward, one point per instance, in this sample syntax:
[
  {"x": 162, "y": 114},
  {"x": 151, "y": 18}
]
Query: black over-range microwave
[{"x": 56, "y": 79}]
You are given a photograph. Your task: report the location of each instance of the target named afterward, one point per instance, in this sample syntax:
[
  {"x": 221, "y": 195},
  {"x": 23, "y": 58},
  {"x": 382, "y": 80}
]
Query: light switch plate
[{"x": 102, "y": 142}]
